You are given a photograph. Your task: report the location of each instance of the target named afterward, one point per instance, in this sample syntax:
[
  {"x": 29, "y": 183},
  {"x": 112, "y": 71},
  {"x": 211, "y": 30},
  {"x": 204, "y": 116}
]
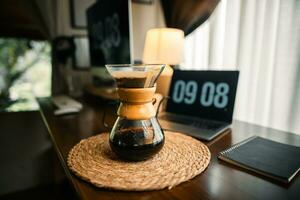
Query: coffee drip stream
[{"x": 136, "y": 134}]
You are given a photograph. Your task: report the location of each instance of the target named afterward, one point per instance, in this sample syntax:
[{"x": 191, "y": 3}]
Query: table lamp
[{"x": 164, "y": 46}]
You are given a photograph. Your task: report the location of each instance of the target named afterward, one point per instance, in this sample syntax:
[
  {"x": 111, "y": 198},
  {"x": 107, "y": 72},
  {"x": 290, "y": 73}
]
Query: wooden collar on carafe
[{"x": 136, "y": 103}]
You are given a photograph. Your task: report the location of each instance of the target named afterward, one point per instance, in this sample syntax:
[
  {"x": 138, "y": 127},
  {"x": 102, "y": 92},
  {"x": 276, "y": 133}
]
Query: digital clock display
[{"x": 207, "y": 94}]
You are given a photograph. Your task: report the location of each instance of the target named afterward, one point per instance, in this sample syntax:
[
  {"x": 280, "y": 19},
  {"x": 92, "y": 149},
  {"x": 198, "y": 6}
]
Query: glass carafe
[{"x": 136, "y": 134}]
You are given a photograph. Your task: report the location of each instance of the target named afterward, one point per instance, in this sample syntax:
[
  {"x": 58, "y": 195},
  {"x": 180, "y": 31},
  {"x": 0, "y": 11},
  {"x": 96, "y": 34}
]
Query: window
[
  {"x": 25, "y": 73},
  {"x": 261, "y": 39}
]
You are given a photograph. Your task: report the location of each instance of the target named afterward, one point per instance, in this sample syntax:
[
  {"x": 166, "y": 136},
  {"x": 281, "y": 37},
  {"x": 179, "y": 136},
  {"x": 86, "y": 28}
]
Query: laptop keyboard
[{"x": 198, "y": 123}]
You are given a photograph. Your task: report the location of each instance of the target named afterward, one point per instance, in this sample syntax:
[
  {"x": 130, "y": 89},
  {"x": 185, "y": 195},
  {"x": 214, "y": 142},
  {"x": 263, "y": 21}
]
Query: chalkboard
[
  {"x": 109, "y": 32},
  {"x": 204, "y": 94}
]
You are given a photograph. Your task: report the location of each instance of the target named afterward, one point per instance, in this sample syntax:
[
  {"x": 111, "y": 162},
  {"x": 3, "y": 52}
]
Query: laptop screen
[{"x": 203, "y": 94}]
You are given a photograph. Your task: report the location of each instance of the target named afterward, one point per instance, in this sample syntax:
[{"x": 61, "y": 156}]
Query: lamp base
[{"x": 164, "y": 81}]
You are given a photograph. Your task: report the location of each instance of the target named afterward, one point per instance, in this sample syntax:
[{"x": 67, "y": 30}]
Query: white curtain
[{"x": 261, "y": 38}]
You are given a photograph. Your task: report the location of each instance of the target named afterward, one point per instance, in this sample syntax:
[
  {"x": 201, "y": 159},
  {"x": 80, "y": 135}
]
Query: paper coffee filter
[{"x": 131, "y": 76}]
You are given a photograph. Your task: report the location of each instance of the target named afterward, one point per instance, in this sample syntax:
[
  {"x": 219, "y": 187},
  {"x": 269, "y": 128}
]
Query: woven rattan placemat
[{"x": 181, "y": 159}]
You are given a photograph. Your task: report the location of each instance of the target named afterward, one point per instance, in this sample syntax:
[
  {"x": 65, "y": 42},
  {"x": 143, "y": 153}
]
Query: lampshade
[{"x": 163, "y": 46}]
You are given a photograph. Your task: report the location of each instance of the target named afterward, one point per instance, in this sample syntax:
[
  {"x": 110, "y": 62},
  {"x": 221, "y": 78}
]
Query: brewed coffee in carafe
[{"x": 136, "y": 134}]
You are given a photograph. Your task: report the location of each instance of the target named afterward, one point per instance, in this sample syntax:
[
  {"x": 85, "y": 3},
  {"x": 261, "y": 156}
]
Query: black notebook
[{"x": 272, "y": 159}]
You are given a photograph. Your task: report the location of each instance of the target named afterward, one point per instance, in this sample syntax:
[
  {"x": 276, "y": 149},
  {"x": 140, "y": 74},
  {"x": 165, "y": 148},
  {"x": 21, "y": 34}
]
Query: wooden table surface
[{"x": 218, "y": 181}]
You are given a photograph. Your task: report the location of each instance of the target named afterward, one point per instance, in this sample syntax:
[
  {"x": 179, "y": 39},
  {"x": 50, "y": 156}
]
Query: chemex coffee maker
[{"x": 136, "y": 134}]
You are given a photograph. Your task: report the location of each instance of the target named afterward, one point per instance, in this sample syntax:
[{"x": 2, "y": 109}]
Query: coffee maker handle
[{"x": 157, "y": 101}]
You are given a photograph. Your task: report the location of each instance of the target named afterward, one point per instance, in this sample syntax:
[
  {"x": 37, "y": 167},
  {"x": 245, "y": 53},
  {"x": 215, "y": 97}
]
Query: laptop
[{"x": 200, "y": 103}]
